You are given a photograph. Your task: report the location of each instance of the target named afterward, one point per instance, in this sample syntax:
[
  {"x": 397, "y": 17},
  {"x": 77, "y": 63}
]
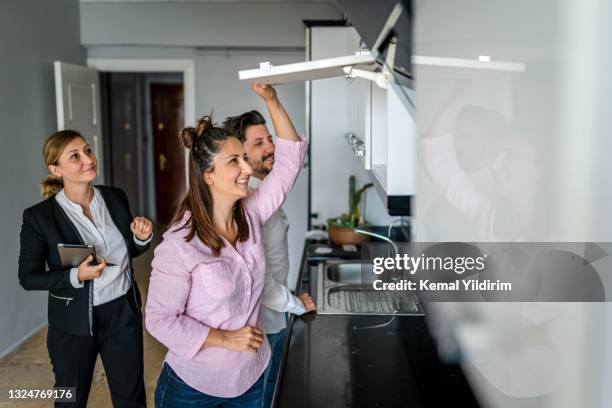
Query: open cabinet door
[
  {"x": 77, "y": 96},
  {"x": 308, "y": 70}
]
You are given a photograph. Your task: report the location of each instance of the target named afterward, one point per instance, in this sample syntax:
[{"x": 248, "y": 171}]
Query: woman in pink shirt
[{"x": 208, "y": 272}]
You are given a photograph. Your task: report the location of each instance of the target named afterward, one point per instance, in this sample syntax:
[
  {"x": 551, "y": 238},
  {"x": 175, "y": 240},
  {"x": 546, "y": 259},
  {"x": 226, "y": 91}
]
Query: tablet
[{"x": 71, "y": 255}]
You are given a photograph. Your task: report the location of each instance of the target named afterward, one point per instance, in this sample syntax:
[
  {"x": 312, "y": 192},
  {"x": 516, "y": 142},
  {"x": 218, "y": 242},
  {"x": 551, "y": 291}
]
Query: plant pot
[{"x": 345, "y": 236}]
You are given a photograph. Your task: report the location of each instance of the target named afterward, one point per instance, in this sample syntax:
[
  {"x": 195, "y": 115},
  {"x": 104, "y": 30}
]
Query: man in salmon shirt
[{"x": 250, "y": 128}]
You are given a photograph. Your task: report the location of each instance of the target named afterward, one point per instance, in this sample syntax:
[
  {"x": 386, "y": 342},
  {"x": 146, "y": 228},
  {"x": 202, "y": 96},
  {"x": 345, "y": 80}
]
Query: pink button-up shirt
[{"x": 191, "y": 290}]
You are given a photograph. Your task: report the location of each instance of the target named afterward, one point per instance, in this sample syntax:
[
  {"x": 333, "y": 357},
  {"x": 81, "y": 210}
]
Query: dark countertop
[{"x": 332, "y": 361}]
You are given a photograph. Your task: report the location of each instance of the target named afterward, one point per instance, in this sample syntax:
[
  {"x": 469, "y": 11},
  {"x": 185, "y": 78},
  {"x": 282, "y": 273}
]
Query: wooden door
[{"x": 169, "y": 156}]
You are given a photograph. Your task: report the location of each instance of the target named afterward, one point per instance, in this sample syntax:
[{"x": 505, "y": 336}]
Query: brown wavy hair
[
  {"x": 52, "y": 150},
  {"x": 204, "y": 142}
]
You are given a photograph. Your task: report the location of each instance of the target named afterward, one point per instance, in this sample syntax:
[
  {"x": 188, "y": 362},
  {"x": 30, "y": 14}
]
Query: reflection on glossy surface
[
  {"x": 511, "y": 156},
  {"x": 332, "y": 363}
]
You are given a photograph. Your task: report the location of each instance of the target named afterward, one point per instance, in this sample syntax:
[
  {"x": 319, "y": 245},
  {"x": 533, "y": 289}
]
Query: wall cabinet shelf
[{"x": 384, "y": 141}]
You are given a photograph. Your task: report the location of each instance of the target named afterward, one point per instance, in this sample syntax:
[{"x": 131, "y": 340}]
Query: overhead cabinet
[{"x": 379, "y": 130}]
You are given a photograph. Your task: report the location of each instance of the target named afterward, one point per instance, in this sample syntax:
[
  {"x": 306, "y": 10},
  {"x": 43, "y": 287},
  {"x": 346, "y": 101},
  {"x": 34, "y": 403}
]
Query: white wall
[{"x": 33, "y": 33}]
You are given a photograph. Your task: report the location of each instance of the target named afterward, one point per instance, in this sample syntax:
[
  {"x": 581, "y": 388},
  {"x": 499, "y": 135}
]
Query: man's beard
[{"x": 258, "y": 166}]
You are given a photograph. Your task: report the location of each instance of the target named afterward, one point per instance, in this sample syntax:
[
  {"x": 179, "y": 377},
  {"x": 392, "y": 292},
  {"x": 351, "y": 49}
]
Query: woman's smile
[{"x": 243, "y": 182}]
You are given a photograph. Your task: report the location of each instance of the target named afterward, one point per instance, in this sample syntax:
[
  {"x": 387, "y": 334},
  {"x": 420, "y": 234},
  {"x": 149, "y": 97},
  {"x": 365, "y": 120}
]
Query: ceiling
[{"x": 200, "y": 1}]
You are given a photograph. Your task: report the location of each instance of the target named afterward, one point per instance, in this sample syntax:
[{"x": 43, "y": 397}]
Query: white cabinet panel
[{"x": 308, "y": 70}]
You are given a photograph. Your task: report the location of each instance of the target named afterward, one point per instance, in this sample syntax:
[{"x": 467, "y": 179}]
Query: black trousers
[{"x": 117, "y": 329}]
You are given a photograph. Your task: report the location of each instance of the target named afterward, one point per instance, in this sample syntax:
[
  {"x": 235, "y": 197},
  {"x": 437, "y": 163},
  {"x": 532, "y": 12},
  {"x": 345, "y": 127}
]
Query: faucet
[
  {"x": 394, "y": 276},
  {"x": 372, "y": 234},
  {"x": 396, "y": 251}
]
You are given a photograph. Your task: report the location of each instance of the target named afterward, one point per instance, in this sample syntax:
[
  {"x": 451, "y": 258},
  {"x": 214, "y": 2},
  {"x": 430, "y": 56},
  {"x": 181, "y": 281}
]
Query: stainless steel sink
[
  {"x": 347, "y": 272},
  {"x": 345, "y": 287}
]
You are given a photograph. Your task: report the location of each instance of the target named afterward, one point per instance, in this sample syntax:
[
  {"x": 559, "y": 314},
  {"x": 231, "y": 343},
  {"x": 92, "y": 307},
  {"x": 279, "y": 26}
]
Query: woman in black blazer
[{"x": 91, "y": 308}]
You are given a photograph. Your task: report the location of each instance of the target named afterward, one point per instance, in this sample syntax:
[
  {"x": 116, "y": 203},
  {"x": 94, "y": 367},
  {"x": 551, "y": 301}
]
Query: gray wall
[
  {"x": 207, "y": 24},
  {"x": 33, "y": 33}
]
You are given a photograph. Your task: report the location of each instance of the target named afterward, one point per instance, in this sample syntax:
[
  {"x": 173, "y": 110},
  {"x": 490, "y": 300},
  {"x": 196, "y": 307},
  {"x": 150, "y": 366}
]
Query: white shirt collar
[{"x": 72, "y": 206}]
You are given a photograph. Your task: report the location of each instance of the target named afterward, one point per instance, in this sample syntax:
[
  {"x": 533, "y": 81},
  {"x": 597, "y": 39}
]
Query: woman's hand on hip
[
  {"x": 245, "y": 339},
  {"x": 89, "y": 272},
  {"x": 142, "y": 228}
]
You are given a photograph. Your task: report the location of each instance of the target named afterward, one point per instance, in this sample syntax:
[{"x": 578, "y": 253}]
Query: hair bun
[
  {"x": 187, "y": 136},
  {"x": 205, "y": 123}
]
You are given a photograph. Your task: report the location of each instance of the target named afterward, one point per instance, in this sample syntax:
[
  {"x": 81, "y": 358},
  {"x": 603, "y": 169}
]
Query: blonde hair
[{"x": 53, "y": 149}]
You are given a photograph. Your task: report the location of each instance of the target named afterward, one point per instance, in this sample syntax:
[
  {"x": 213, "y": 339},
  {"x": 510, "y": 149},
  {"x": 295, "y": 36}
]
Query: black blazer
[{"x": 44, "y": 226}]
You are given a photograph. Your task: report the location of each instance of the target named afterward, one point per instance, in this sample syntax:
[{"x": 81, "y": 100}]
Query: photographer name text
[{"x": 457, "y": 285}]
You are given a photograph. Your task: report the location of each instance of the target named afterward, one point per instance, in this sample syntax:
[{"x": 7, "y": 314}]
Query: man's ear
[
  {"x": 208, "y": 178},
  {"x": 54, "y": 170}
]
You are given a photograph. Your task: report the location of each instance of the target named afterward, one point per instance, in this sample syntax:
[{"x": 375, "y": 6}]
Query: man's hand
[
  {"x": 309, "y": 304},
  {"x": 142, "y": 228},
  {"x": 265, "y": 91}
]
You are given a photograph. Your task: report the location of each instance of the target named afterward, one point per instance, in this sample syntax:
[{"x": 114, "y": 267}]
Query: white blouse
[{"x": 104, "y": 235}]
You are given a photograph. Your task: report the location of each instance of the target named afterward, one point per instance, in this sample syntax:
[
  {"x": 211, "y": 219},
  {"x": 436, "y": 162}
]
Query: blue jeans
[
  {"x": 172, "y": 392},
  {"x": 277, "y": 342}
]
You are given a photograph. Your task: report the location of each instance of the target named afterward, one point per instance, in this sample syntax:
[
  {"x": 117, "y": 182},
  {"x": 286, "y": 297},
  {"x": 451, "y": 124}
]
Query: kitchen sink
[
  {"x": 345, "y": 287},
  {"x": 365, "y": 300},
  {"x": 347, "y": 272}
]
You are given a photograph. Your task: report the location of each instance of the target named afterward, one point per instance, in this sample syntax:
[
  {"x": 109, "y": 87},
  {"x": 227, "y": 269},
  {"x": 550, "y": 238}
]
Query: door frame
[{"x": 185, "y": 66}]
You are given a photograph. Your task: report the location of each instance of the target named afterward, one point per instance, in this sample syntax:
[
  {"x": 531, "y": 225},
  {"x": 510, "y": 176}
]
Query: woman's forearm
[
  {"x": 283, "y": 127},
  {"x": 215, "y": 338},
  {"x": 42, "y": 279},
  {"x": 246, "y": 339}
]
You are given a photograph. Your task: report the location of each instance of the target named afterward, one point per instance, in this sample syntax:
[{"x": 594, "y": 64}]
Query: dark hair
[
  {"x": 204, "y": 142},
  {"x": 237, "y": 125},
  {"x": 52, "y": 150}
]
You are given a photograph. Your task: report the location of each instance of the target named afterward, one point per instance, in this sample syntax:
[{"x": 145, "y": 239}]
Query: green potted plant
[{"x": 341, "y": 229}]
